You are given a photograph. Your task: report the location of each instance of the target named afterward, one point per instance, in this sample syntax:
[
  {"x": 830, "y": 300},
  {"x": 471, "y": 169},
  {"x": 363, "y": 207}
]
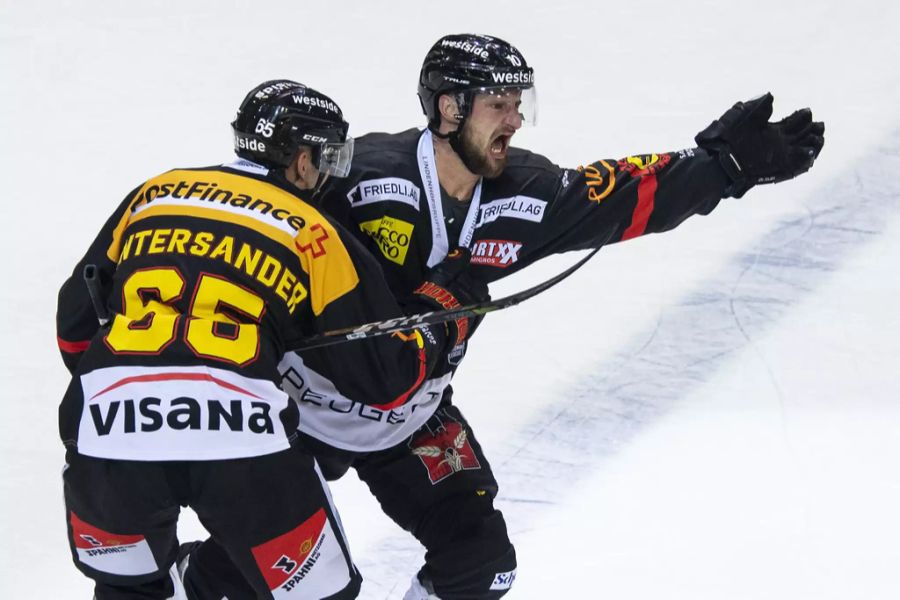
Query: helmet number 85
[{"x": 150, "y": 322}]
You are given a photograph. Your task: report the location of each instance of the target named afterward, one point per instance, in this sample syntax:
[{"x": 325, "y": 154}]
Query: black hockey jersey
[
  {"x": 392, "y": 202},
  {"x": 210, "y": 275}
]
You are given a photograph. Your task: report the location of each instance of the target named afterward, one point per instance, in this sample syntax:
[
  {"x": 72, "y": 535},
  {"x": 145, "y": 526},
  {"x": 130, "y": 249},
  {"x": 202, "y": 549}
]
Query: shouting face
[{"x": 487, "y": 132}]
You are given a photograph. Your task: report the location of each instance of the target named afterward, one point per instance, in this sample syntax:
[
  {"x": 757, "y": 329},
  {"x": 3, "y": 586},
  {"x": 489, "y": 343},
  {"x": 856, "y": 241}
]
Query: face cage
[
  {"x": 527, "y": 100},
  {"x": 335, "y": 158}
]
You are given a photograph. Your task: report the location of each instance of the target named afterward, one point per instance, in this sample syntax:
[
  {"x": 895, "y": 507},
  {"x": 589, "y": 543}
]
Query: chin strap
[
  {"x": 455, "y": 142},
  {"x": 320, "y": 183}
]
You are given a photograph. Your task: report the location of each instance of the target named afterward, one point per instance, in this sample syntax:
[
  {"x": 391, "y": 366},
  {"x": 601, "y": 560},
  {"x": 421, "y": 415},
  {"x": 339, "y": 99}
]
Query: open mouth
[{"x": 500, "y": 145}]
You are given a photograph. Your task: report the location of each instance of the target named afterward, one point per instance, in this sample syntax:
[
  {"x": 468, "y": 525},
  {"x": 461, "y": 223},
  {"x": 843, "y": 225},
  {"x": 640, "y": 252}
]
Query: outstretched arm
[{"x": 614, "y": 200}]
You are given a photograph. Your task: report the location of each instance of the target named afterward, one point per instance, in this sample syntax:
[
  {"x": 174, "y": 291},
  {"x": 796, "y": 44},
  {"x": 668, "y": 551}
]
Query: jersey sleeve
[
  {"x": 383, "y": 371},
  {"x": 610, "y": 201},
  {"x": 76, "y": 319}
]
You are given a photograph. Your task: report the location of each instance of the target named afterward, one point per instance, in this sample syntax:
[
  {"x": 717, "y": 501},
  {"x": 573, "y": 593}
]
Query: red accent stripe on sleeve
[
  {"x": 72, "y": 347},
  {"x": 400, "y": 400},
  {"x": 643, "y": 210}
]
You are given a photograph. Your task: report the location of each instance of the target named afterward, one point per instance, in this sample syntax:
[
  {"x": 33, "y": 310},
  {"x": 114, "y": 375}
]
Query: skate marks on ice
[
  {"x": 603, "y": 411},
  {"x": 694, "y": 336}
]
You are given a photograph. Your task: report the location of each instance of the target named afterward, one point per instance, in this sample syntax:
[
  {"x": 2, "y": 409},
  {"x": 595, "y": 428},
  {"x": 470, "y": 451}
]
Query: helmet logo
[
  {"x": 519, "y": 77},
  {"x": 457, "y": 80},
  {"x": 465, "y": 47},
  {"x": 265, "y": 127},
  {"x": 313, "y": 101},
  {"x": 243, "y": 143},
  {"x": 276, "y": 88},
  {"x": 314, "y": 138}
]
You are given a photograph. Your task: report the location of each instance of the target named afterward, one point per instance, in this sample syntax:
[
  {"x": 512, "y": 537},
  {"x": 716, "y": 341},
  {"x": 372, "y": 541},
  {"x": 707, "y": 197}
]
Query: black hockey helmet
[
  {"x": 279, "y": 116},
  {"x": 466, "y": 64}
]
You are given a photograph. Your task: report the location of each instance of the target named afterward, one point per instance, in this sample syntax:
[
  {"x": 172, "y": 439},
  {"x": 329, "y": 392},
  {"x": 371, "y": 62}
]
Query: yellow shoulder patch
[
  {"x": 257, "y": 205},
  {"x": 326, "y": 260}
]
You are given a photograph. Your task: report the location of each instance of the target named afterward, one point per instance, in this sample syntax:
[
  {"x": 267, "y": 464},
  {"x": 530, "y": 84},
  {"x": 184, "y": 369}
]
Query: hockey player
[
  {"x": 413, "y": 196},
  {"x": 210, "y": 275}
]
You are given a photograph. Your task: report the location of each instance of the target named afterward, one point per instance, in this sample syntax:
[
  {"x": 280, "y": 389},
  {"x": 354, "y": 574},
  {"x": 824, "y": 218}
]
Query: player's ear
[
  {"x": 449, "y": 108},
  {"x": 297, "y": 171},
  {"x": 303, "y": 161}
]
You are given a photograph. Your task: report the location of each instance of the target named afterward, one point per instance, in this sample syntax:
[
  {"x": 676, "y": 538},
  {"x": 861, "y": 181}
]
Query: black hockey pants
[
  {"x": 270, "y": 514},
  {"x": 437, "y": 485}
]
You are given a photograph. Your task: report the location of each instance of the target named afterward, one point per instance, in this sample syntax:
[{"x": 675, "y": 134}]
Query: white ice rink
[{"x": 708, "y": 414}]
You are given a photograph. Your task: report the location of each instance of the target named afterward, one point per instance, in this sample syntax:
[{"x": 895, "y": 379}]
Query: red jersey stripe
[
  {"x": 72, "y": 347},
  {"x": 175, "y": 377},
  {"x": 400, "y": 400},
  {"x": 644, "y": 208}
]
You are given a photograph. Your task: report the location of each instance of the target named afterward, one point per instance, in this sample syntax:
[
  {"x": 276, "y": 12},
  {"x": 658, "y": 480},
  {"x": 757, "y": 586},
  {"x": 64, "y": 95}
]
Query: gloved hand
[
  {"x": 752, "y": 150},
  {"x": 449, "y": 285}
]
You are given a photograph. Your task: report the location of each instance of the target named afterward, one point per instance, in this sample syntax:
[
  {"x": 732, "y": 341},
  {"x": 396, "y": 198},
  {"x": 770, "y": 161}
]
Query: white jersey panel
[
  {"x": 328, "y": 416},
  {"x": 179, "y": 413}
]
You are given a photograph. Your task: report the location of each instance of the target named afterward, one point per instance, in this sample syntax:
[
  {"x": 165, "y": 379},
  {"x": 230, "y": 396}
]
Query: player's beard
[{"x": 476, "y": 158}]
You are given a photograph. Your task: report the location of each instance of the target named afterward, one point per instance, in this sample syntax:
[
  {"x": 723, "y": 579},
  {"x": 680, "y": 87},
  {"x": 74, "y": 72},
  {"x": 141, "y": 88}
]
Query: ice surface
[{"x": 710, "y": 413}]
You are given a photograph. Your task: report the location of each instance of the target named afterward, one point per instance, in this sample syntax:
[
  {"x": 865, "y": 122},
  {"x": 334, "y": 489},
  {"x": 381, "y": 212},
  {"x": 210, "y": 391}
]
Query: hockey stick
[
  {"x": 92, "y": 280},
  {"x": 388, "y": 326}
]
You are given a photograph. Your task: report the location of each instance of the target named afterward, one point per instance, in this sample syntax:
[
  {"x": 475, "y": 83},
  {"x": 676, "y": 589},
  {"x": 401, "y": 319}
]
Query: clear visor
[
  {"x": 510, "y": 100},
  {"x": 335, "y": 158}
]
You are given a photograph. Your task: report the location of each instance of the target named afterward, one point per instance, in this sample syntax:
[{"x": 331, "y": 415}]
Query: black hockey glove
[
  {"x": 447, "y": 286},
  {"x": 752, "y": 150}
]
